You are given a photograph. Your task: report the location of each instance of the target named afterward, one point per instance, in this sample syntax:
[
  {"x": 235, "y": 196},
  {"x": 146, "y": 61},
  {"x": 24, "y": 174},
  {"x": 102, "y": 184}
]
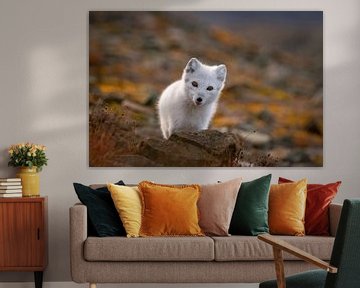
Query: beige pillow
[{"x": 216, "y": 205}]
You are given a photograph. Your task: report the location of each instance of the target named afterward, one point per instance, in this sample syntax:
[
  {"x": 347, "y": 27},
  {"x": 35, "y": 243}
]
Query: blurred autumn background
[{"x": 271, "y": 109}]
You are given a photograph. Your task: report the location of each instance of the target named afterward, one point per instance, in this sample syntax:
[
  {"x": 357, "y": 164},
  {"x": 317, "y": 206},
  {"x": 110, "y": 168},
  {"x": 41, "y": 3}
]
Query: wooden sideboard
[{"x": 23, "y": 235}]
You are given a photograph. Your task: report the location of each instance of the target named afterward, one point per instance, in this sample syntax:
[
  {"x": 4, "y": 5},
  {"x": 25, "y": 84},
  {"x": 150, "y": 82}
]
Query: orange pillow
[
  {"x": 169, "y": 210},
  {"x": 287, "y": 204},
  {"x": 318, "y": 200}
]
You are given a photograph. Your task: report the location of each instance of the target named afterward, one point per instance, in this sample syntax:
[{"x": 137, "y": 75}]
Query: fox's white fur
[{"x": 190, "y": 103}]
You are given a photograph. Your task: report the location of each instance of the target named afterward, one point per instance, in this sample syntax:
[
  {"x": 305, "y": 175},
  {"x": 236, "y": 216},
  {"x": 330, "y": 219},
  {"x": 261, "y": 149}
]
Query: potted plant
[{"x": 30, "y": 158}]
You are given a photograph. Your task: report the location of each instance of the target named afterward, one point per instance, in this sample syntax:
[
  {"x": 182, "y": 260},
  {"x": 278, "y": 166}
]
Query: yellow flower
[
  {"x": 11, "y": 151},
  {"x": 28, "y": 154}
]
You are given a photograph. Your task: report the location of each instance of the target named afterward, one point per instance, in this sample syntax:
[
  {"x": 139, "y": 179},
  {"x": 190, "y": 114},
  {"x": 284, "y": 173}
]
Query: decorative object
[
  {"x": 216, "y": 206},
  {"x": 30, "y": 158},
  {"x": 169, "y": 210},
  {"x": 266, "y": 67},
  {"x": 127, "y": 201},
  {"x": 318, "y": 199},
  {"x": 103, "y": 218},
  {"x": 10, "y": 187},
  {"x": 287, "y": 204},
  {"x": 23, "y": 236},
  {"x": 30, "y": 181},
  {"x": 250, "y": 215}
]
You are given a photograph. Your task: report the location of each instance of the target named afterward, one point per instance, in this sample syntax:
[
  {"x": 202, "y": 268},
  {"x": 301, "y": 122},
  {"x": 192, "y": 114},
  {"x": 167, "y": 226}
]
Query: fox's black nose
[{"x": 199, "y": 100}]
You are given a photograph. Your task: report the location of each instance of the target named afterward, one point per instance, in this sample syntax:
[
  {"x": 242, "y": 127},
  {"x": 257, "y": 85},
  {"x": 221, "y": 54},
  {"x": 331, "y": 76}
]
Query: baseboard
[{"x": 74, "y": 285}]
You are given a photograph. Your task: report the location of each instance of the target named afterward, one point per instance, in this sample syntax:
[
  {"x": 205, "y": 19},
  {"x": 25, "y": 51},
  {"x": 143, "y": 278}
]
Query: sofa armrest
[
  {"x": 78, "y": 235},
  {"x": 334, "y": 217}
]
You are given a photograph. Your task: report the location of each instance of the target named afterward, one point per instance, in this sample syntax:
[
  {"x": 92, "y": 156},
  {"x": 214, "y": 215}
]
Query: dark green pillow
[
  {"x": 103, "y": 218},
  {"x": 250, "y": 216}
]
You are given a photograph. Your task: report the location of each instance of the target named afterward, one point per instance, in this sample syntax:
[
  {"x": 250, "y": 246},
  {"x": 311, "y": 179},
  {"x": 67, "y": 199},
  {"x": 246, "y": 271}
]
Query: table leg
[{"x": 38, "y": 279}]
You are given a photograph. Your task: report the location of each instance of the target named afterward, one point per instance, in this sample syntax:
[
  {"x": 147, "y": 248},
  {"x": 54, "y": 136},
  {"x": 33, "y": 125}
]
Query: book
[
  {"x": 10, "y": 187},
  {"x": 9, "y": 183},
  {"x": 4, "y": 195},
  {"x": 3, "y": 191},
  {"x": 10, "y": 180}
]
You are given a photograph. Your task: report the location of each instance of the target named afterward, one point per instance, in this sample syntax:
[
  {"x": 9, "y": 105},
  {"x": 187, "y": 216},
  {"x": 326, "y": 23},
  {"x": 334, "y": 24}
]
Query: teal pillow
[{"x": 250, "y": 216}]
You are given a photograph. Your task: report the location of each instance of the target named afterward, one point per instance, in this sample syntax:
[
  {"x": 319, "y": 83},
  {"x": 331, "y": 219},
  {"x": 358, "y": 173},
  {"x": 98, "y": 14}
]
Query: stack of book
[{"x": 10, "y": 187}]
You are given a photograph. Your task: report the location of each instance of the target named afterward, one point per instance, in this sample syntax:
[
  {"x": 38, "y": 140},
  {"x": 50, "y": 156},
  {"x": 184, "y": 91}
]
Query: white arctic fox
[{"x": 190, "y": 103}]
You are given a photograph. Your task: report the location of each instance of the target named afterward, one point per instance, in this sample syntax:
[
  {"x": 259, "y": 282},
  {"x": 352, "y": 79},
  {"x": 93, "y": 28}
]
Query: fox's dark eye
[
  {"x": 195, "y": 84},
  {"x": 209, "y": 88}
]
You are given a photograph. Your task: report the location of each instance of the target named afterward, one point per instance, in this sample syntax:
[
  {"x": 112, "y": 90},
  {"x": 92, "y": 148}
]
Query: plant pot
[{"x": 30, "y": 181}]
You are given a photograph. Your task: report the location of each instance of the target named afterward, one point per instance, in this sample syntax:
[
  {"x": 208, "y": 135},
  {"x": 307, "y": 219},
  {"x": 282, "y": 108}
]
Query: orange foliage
[
  {"x": 222, "y": 121},
  {"x": 226, "y": 37},
  {"x": 102, "y": 146}
]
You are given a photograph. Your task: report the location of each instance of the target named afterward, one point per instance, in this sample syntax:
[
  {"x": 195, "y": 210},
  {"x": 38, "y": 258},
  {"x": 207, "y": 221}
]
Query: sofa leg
[{"x": 92, "y": 285}]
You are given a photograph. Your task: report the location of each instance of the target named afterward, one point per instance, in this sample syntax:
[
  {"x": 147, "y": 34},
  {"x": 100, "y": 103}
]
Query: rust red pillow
[{"x": 319, "y": 197}]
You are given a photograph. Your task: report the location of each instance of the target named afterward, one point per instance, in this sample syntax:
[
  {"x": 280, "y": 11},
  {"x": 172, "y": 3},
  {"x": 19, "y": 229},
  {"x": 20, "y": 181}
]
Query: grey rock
[
  {"x": 298, "y": 158},
  {"x": 256, "y": 139},
  {"x": 193, "y": 149},
  {"x": 147, "y": 132},
  {"x": 135, "y": 161}
]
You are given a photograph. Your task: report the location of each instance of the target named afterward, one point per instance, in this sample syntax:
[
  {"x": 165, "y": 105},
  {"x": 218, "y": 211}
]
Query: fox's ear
[
  {"x": 221, "y": 72},
  {"x": 192, "y": 65}
]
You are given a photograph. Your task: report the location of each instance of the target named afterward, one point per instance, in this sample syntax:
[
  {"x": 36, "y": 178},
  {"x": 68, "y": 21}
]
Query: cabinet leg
[{"x": 38, "y": 279}]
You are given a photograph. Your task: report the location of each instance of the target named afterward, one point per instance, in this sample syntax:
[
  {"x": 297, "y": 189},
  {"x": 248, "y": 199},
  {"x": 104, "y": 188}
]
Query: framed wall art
[{"x": 206, "y": 89}]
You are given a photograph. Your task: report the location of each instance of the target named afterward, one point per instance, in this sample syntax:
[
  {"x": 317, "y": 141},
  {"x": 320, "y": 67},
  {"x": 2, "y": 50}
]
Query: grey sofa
[{"x": 234, "y": 259}]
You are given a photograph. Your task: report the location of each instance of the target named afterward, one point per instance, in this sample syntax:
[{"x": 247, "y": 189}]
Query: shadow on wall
[
  {"x": 44, "y": 58},
  {"x": 4, "y": 159},
  {"x": 44, "y": 74}
]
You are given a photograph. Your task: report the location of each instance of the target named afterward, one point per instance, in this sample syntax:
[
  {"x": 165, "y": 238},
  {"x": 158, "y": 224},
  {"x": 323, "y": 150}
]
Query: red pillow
[{"x": 319, "y": 197}]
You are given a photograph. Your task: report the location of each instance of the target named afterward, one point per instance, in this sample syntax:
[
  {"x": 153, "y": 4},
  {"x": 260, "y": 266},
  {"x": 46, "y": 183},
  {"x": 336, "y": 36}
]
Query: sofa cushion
[
  {"x": 250, "y": 216},
  {"x": 287, "y": 204},
  {"x": 169, "y": 210},
  {"x": 318, "y": 199},
  {"x": 244, "y": 248},
  {"x": 216, "y": 205},
  {"x": 102, "y": 216},
  {"x": 127, "y": 201},
  {"x": 149, "y": 249}
]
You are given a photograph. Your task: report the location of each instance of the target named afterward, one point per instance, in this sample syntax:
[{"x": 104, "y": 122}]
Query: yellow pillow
[
  {"x": 127, "y": 201},
  {"x": 169, "y": 210},
  {"x": 287, "y": 204}
]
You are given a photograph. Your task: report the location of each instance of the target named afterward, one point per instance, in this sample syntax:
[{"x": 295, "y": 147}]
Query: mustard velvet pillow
[
  {"x": 169, "y": 210},
  {"x": 127, "y": 201},
  {"x": 287, "y": 204}
]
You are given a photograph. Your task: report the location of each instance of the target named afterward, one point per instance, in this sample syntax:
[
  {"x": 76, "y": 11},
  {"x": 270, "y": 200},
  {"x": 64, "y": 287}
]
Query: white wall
[{"x": 43, "y": 90}]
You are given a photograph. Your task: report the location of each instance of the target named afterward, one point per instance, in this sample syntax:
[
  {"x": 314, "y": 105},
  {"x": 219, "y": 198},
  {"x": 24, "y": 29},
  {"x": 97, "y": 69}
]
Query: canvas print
[{"x": 206, "y": 89}]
